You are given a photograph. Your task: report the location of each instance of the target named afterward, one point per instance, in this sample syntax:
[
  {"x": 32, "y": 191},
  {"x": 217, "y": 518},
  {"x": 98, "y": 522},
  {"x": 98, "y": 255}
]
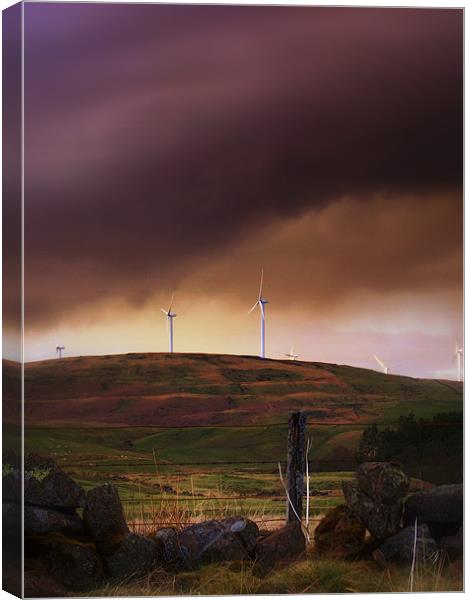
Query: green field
[{"x": 189, "y": 436}]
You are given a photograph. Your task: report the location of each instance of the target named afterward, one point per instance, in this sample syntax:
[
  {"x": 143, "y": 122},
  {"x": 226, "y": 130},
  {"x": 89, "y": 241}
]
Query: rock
[
  {"x": 104, "y": 516},
  {"x": 381, "y": 520},
  {"x": 210, "y": 541},
  {"x": 46, "y": 484},
  {"x": 38, "y": 520},
  {"x": 247, "y": 531},
  {"x": 285, "y": 544},
  {"x": 441, "y": 505},
  {"x": 135, "y": 555},
  {"x": 340, "y": 534},
  {"x": 399, "y": 547},
  {"x": 453, "y": 545},
  {"x": 382, "y": 482},
  {"x": 172, "y": 556},
  {"x": 75, "y": 565}
]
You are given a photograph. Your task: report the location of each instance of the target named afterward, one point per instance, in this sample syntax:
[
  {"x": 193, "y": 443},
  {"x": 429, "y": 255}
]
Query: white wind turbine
[
  {"x": 384, "y": 367},
  {"x": 261, "y": 302},
  {"x": 59, "y": 349},
  {"x": 459, "y": 356},
  {"x": 291, "y": 355},
  {"x": 170, "y": 316}
]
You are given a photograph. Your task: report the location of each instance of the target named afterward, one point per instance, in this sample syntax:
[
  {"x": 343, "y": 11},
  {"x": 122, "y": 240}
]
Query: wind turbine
[
  {"x": 291, "y": 355},
  {"x": 170, "y": 316},
  {"x": 459, "y": 356},
  {"x": 59, "y": 349},
  {"x": 261, "y": 302},
  {"x": 385, "y": 368}
]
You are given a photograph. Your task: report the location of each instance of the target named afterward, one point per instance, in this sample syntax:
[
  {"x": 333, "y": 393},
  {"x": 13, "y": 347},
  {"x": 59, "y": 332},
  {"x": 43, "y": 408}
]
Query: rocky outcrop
[
  {"x": 399, "y": 548},
  {"x": 75, "y": 565},
  {"x": 382, "y": 482},
  {"x": 172, "y": 557},
  {"x": 285, "y": 544},
  {"x": 134, "y": 556},
  {"x": 441, "y": 509},
  {"x": 376, "y": 497},
  {"x": 217, "y": 541},
  {"x": 340, "y": 534},
  {"x": 39, "y": 520},
  {"x": 381, "y": 520},
  {"x": 46, "y": 484},
  {"x": 441, "y": 505},
  {"x": 104, "y": 516}
]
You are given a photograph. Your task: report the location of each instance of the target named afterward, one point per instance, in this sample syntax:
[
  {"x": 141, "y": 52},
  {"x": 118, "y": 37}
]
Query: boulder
[
  {"x": 135, "y": 555},
  {"x": 104, "y": 516},
  {"x": 381, "y": 520},
  {"x": 382, "y": 482},
  {"x": 75, "y": 565},
  {"x": 172, "y": 557},
  {"x": 285, "y": 544},
  {"x": 340, "y": 534},
  {"x": 247, "y": 531},
  {"x": 46, "y": 484},
  {"x": 442, "y": 505},
  {"x": 38, "y": 520},
  {"x": 452, "y": 545},
  {"x": 399, "y": 547},
  {"x": 210, "y": 541}
]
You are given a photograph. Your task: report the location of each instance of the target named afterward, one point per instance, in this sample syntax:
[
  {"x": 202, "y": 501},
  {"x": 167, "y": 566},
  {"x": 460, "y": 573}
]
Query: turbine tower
[
  {"x": 459, "y": 356},
  {"x": 59, "y": 349},
  {"x": 385, "y": 368},
  {"x": 292, "y": 356},
  {"x": 170, "y": 316},
  {"x": 261, "y": 302}
]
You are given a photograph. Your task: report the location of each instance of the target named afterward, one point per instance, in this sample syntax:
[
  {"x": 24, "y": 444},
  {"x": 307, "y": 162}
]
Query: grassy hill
[
  {"x": 209, "y": 425},
  {"x": 209, "y": 390}
]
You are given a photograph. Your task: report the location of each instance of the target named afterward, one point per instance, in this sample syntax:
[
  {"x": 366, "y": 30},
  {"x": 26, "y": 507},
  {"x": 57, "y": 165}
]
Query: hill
[{"x": 178, "y": 390}]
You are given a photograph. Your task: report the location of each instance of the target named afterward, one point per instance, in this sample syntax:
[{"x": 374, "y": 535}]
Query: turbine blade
[
  {"x": 261, "y": 307},
  {"x": 261, "y": 284},
  {"x": 379, "y": 361},
  {"x": 164, "y": 312},
  {"x": 171, "y": 302},
  {"x": 253, "y": 307}
]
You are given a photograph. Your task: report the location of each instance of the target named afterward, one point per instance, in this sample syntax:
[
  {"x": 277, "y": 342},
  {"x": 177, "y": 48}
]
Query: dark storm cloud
[{"x": 155, "y": 134}]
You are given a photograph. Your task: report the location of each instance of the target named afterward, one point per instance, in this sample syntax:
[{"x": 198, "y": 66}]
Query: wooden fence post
[{"x": 295, "y": 465}]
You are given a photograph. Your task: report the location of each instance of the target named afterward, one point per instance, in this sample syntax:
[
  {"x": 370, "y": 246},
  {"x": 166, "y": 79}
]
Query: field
[{"x": 188, "y": 437}]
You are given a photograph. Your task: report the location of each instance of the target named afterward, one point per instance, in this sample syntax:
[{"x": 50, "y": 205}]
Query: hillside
[{"x": 180, "y": 390}]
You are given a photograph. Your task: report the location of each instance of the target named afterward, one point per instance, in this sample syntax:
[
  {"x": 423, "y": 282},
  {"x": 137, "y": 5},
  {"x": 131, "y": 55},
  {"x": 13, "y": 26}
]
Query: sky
[{"x": 180, "y": 149}]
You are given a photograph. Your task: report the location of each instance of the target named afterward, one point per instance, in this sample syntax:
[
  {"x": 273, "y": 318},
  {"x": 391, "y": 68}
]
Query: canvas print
[{"x": 233, "y": 352}]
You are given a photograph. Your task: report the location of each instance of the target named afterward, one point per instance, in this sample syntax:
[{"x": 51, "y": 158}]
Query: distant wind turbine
[
  {"x": 170, "y": 316},
  {"x": 261, "y": 302},
  {"x": 59, "y": 350},
  {"x": 385, "y": 368},
  {"x": 292, "y": 356},
  {"x": 459, "y": 356}
]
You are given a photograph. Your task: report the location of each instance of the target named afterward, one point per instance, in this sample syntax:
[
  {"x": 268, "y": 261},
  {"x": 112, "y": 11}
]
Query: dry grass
[{"x": 308, "y": 576}]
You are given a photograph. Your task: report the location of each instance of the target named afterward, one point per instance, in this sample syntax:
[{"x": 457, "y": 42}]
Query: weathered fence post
[{"x": 295, "y": 466}]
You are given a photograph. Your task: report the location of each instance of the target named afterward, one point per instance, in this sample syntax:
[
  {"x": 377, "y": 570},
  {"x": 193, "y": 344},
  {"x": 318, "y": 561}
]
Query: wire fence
[{"x": 160, "y": 491}]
